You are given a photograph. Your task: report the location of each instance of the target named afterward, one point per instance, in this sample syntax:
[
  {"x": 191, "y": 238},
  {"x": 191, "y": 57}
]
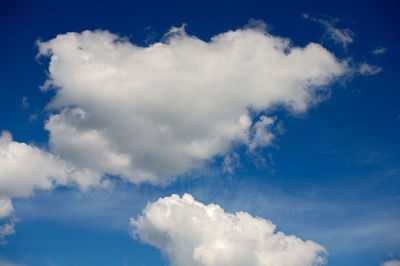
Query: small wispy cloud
[
  {"x": 341, "y": 36},
  {"x": 231, "y": 162},
  {"x": 33, "y": 117},
  {"x": 25, "y": 103},
  {"x": 6, "y": 229},
  {"x": 368, "y": 70},
  {"x": 379, "y": 50},
  {"x": 5, "y": 262}
]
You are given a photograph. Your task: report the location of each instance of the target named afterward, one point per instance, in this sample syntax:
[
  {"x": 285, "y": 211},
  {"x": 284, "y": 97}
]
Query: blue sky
[{"x": 329, "y": 174}]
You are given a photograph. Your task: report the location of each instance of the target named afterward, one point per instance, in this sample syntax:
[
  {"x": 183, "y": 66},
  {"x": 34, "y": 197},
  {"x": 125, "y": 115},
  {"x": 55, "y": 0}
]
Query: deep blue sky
[{"x": 332, "y": 177}]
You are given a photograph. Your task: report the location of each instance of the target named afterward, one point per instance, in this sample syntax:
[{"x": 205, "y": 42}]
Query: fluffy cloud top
[
  {"x": 151, "y": 113},
  {"x": 191, "y": 233}
]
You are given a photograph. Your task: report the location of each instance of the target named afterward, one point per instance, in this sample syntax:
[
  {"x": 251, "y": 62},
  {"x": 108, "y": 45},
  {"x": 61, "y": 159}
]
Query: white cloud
[
  {"x": 24, "y": 168},
  {"x": 152, "y": 113},
  {"x": 367, "y": 69},
  {"x": 379, "y": 50},
  {"x": 391, "y": 263},
  {"x": 191, "y": 233},
  {"x": 342, "y": 36},
  {"x": 6, "y": 207},
  {"x": 262, "y": 136},
  {"x": 6, "y": 229}
]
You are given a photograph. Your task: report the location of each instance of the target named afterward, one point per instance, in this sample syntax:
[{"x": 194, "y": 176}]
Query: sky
[{"x": 207, "y": 133}]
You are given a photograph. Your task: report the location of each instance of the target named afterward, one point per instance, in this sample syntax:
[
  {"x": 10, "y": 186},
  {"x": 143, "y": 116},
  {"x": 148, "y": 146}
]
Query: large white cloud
[
  {"x": 191, "y": 233},
  {"x": 152, "y": 113}
]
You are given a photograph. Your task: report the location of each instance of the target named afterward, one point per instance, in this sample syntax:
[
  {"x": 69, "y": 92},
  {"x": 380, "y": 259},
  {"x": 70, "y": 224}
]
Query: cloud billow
[
  {"x": 149, "y": 114},
  {"x": 191, "y": 233}
]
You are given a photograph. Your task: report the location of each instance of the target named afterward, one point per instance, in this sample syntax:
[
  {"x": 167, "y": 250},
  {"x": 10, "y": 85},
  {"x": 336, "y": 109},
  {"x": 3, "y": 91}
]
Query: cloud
[
  {"x": 24, "y": 168},
  {"x": 6, "y": 229},
  {"x": 231, "y": 162},
  {"x": 33, "y": 117},
  {"x": 391, "y": 263},
  {"x": 379, "y": 50},
  {"x": 262, "y": 135},
  {"x": 368, "y": 70},
  {"x": 149, "y": 114},
  {"x": 191, "y": 233},
  {"x": 25, "y": 103},
  {"x": 341, "y": 36},
  {"x": 4, "y": 262},
  {"x": 6, "y": 207}
]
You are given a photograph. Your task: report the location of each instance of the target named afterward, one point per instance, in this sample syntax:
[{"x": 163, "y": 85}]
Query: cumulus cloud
[
  {"x": 391, "y": 263},
  {"x": 191, "y": 233},
  {"x": 341, "y": 36},
  {"x": 24, "y": 168},
  {"x": 152, "y": 113}
]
